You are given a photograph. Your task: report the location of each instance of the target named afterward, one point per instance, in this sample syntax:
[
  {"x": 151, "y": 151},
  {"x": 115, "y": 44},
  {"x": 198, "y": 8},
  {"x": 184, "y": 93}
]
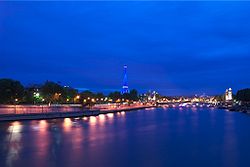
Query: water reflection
[
  {"x": 110, "y": 115},
  {"x": 43, "y": 126},
  {"x": 15, "y": 127},
  {"x": 194, "y": 109},
  {"x": 107, "y": 139},
  {"x": 14, "y": 145},
  {"x": 92, "y": 120},
  {"x": 41, "y": 140},
  {"x": 67, "y": 124},
  {"x": 101, "y": 119},
  {"x": 230, "y": 141}
]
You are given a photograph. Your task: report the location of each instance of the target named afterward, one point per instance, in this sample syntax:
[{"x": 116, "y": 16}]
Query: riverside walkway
[{"x": 31, "y": 112}]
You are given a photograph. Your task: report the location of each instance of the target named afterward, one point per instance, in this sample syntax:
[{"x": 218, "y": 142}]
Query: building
[{"x": 229, "y": 94}]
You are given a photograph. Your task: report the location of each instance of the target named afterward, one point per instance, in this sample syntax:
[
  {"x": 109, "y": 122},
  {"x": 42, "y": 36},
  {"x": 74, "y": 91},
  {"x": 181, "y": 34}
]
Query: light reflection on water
[
  {"x": 14, "y": 145},
  {"x": 197, "y": 137},
  {"x": 92, "y": 120},
  {"x": 101, "y": 119},
  {"x": 230, "y": 142},
  {"x": 123, "y": 113},
  {"x": 110, "y": 115},
  {"x": 67, "y": 124}
]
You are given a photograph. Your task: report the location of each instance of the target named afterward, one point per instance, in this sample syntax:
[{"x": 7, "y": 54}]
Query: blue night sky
[{"x": 172, "y": 47}]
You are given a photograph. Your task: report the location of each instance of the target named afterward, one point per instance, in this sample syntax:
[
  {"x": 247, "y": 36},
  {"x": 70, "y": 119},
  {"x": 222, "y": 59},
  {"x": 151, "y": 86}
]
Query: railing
[{"x": 33, "y": 109}]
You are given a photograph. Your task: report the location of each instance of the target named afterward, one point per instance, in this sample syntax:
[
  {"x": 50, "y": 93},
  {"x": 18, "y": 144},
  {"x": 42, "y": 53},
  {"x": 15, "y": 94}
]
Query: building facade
[{"x": 229, "y": 94}]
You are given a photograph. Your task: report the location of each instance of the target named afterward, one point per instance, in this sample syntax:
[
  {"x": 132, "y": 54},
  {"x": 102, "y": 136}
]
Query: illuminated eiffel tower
[{"x": 125, "y": 81}]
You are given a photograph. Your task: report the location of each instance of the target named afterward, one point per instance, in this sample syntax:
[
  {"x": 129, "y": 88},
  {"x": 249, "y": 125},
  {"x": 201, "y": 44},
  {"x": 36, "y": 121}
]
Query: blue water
[{"x": 144, "y": 138}]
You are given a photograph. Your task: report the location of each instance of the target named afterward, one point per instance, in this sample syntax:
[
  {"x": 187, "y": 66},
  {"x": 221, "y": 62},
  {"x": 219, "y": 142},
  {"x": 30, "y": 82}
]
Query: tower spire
[{"x": 125, "y": 81}]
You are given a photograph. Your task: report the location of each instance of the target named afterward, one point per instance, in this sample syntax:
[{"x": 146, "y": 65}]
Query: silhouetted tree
[
  {"x": 133, "y": 95},
  {"x": 99, "y": 95},
  {"x": 69, "y": 94},
  {"x": 243, "y": 95},
  {"x": 11, "y": 91},
  {"x": 30, "y": 96},
  {"x": 52, "y": 92},
  {"x": 87, "y": 94},
  {"x": 115, "y": 95}
]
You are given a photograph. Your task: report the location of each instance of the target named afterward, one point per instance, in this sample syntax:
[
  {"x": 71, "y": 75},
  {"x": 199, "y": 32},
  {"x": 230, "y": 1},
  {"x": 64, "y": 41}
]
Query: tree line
[
  {"x": 243, "y": 95},
  {"x": 13, "y": 92}
]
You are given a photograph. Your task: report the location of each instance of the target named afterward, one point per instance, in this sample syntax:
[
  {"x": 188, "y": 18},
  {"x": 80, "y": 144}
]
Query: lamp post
[{"x": 16, "y": 100}]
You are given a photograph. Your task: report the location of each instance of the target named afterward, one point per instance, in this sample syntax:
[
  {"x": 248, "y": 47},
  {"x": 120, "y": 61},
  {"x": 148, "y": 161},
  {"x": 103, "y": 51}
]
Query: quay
[
  {"x": 35, "y": 112},
  {"x": 16, "y": 113}
]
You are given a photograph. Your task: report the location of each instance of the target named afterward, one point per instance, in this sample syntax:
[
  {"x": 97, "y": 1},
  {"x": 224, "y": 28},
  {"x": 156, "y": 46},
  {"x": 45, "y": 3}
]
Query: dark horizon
[{"x": 175, "y": 48}]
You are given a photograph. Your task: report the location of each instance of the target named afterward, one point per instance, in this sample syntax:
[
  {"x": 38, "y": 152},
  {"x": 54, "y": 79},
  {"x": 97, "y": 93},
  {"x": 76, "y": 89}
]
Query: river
[{"x": 174, "y": 137}]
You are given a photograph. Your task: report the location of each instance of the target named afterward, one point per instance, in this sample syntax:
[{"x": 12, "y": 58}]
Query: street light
[{"x": 16, "y": 100}]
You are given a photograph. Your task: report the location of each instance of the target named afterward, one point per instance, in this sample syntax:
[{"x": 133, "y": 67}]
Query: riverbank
[
  {"x": 67, "y": 114},
  {"x": 243, "y": 109}
]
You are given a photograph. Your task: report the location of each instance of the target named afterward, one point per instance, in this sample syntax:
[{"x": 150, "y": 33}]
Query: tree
[
  {"x": 243, "y": 95},
  {"x": 115, "y": 95},
  {"x": 99, "y": 95},
  {"x": 86, "y": 98},
  {"x": 133, "y": 95},
  {"x": 32, "y": 94},
  {"x": 69, "y": 94},
  {"x": 52, "y": 92},
  {"x": 11, "y": 91},
  {"x": 87, "y": 94}
]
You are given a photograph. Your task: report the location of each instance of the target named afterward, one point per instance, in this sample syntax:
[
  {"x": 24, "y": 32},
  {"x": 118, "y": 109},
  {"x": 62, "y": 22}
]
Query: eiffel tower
[{"x": 125, "y": 81}]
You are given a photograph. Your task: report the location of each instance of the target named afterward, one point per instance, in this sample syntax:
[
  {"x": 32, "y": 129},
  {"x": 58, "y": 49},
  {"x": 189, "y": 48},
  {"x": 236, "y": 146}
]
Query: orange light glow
[
  {"x": 17, "y": 127},
  {"x": 43, "y": 124},
  {"x": 92, "y": 119},
  {"x": 67, "y": 124},
  {"x": 101, "y": 116},
  {"x": 110, "y": 115}
]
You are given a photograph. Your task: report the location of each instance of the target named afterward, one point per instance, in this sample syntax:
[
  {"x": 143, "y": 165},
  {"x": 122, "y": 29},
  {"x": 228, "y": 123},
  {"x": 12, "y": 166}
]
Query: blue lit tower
[{"x": 125, "y": 81}]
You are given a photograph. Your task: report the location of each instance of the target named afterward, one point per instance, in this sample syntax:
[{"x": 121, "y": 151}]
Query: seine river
[{"x": 185, "y": 137}]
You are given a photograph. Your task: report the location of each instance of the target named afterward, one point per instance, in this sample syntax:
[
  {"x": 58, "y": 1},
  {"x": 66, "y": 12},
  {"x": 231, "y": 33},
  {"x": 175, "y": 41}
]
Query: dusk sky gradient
[{"x": 176, "y": 48}]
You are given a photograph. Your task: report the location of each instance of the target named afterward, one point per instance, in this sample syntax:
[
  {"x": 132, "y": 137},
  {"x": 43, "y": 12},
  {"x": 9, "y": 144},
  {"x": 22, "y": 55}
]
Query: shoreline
[
  {"x": 82, "y": 113},
  {"x": 245, "y": 110},
  {"x": 56, "y": 115}
]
